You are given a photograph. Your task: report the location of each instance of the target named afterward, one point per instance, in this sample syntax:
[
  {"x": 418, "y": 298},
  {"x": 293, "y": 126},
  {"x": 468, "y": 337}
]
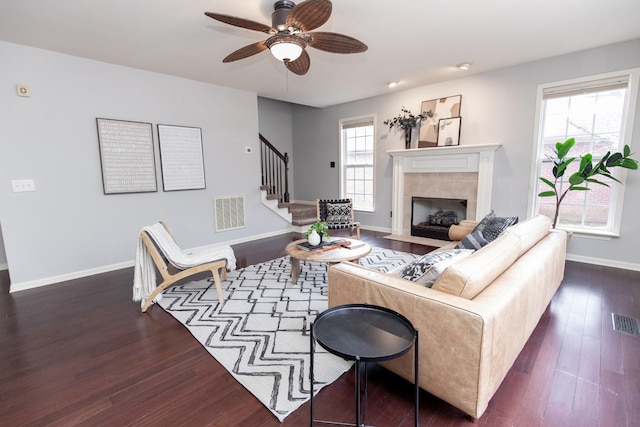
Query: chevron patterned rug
[{"x": 260, "y": 334}]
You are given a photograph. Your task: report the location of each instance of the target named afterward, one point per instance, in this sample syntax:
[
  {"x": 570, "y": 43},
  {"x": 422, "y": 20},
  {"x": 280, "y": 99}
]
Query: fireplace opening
[{"x": 432, "y": 217}]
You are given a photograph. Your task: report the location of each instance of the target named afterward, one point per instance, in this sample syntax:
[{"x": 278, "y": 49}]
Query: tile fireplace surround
[{"x": 459, "y": 172}]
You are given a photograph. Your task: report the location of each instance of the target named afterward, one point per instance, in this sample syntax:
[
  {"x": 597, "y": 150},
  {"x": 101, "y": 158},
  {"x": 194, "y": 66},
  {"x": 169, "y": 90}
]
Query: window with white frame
[
  {"x": 357, "y": 147},
  {"x": 598, "y": 113}
]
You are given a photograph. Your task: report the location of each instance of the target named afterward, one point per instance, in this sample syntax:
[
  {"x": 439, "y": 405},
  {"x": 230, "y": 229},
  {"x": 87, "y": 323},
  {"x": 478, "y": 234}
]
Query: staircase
[
  {"x": 275, "y": 188},
  {"x": 302, "y": 214}
]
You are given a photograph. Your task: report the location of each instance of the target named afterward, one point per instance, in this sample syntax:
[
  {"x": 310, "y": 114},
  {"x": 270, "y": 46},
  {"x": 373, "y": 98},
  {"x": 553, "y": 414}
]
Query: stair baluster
[{"x": 275, "y": 170}]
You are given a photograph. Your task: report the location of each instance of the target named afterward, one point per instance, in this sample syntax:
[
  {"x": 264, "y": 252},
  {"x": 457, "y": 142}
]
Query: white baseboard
[
  {"x": 604, "y": 262},
  {"x": 377, "y": 229},
  {"x": 16, "y": 287}
]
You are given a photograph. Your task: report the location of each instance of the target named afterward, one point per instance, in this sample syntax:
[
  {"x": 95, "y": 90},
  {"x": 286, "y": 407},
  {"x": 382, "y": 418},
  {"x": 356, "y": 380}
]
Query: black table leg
[
  {"x": 358, "y": 391},
  {"x": 416, "y": 377},
  {"x": 311, "y": 354}
]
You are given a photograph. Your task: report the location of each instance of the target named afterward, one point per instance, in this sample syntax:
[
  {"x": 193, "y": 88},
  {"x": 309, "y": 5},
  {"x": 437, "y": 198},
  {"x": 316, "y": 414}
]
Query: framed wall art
[
  {"x": 181, "y": 157},
  {"x": 443, "y": 108},
  {"x": 449, "y": 132},
  {"x": 126, "y": 156}
]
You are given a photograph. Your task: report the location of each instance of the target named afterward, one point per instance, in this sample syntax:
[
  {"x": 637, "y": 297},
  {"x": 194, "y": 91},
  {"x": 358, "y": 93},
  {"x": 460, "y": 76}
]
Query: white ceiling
[{"x": 415, "y": 42}]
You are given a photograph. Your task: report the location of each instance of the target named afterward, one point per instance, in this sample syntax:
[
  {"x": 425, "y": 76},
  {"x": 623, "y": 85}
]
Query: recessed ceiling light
[
  {"x": 464, "y": 66},
  {"x": 392, "y": 84}
]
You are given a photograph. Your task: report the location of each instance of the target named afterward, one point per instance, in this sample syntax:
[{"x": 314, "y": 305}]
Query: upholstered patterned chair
[{"x": 338, "y": 214}]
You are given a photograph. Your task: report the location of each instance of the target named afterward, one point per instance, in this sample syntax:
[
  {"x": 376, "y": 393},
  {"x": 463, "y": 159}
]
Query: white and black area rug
[{"x": 260, "y": 334}]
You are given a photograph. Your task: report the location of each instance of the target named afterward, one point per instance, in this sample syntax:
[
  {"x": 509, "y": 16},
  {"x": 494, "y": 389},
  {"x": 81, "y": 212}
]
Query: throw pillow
[
  {"x": 474, "y": 240},
  {"x": 491, "y": 225},
  {"x": 420, "y": 270},
  {"x": 338, "y": 213}
]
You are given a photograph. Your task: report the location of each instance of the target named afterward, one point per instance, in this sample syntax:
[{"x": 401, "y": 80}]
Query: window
[
  {"x": 357, "y": 147},
  {"x": 598, "y": 112}
]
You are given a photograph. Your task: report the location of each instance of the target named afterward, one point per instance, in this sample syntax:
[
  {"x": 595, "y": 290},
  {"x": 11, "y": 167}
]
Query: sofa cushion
[
  {"x": 426, "y": 269},
  {"x": 491, "y": 226},
  {"x": 530, "y": 232},
  {"x": 470, "y": 276},
  {"x": 474, "y": 240}
]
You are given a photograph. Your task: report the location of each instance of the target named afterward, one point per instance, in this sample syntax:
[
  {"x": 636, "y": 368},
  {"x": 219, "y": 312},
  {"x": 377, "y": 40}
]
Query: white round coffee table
[{"x": 357, "y": 250}]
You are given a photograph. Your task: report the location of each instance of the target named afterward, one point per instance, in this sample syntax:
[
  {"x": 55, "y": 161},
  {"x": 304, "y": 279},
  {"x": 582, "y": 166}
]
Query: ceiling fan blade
[
  {"x": 301, "y": 65},
  {"x": 336, "y": 43},
  {"x": 239, "y": 22},
  {"x": 309, "y": 14},
  {"x": 245, "y": 52}
]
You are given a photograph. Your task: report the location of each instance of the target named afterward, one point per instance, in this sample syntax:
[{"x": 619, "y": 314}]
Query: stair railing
[{"x": 275, "y": 170}]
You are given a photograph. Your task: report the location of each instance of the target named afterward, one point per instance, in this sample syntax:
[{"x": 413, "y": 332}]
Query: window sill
[{"x": 590, "y": 234}]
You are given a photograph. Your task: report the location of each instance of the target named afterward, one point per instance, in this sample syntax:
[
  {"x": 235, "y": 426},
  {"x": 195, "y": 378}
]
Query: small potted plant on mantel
[
  {"x": 407, "y": 121},
  {"x": 585, "y": 173},
  {"x": 316, "y": 232}
]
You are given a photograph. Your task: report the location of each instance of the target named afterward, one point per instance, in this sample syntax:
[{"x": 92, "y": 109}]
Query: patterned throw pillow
[
  {"x": 491, "y": 225},
  {"x": 474, "y": 240},
  {"x": 425, "y": 270},
  {"x": 338, "y": 213}
]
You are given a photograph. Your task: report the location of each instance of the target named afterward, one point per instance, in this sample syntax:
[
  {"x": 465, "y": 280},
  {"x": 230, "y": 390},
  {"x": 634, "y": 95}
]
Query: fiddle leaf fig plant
[{"x": 586, "y": 171}]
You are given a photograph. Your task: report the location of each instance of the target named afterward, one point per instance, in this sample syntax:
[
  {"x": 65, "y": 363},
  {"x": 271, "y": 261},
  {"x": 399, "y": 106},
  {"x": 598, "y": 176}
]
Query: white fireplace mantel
[{"x": 466, "y": 158}]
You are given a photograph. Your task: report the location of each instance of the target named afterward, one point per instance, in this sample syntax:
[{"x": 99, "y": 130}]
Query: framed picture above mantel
[
  {"x": 449, "y": 132},
  {"x": 443, "y": 108}
]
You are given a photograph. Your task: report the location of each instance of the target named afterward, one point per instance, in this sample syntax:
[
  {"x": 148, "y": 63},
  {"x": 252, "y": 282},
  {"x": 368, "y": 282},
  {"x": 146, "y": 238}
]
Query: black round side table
[{"x": 363, "y": 333}]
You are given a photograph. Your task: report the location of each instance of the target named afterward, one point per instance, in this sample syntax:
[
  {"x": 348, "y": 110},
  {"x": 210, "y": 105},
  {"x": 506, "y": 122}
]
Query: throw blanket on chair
[{"x": 144, "y": 277}]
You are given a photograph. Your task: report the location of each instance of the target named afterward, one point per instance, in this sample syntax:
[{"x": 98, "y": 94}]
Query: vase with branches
[
  {"x": 585, "y": 173},
  {"x": 407, "y": 121}
]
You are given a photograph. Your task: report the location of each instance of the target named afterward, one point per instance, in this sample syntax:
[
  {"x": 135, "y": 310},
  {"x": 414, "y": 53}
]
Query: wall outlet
[{"x": 21, "y": 185}]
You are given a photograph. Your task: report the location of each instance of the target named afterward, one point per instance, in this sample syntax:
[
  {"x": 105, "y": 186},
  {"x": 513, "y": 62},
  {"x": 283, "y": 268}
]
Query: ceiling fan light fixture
[{"x": 285, "y": 48}]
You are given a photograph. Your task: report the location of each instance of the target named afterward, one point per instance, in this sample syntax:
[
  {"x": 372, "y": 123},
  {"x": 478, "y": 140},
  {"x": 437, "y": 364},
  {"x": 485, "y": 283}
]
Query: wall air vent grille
[{"x": 229, "y": 212}]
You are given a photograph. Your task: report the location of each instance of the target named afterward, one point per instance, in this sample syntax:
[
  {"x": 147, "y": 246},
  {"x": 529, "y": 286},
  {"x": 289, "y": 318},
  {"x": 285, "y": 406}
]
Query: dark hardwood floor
[{"x": 81, "y": 353}]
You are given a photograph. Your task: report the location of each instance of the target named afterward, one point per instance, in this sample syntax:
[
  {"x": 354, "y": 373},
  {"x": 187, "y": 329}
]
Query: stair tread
[{"x": 303, "y": 221}]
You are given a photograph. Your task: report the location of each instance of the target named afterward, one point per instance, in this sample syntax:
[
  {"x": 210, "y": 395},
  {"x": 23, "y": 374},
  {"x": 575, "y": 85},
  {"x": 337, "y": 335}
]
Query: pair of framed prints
[
  {"x": 128, "y": 160},
  {"x": 443, "y": 128}
]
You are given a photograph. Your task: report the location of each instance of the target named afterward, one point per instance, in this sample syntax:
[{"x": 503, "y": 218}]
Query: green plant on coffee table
[
  {"x": 320, "y": 227},
  {"x": 586, "y": 171}
]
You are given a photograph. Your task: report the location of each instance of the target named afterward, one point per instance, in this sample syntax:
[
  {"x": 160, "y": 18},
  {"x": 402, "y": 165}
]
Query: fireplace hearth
[{"x": 432, "y": 217}]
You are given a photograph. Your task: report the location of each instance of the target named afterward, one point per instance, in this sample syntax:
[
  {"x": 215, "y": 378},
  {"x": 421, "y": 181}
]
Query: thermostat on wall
[{"x": 23, "y": 90}]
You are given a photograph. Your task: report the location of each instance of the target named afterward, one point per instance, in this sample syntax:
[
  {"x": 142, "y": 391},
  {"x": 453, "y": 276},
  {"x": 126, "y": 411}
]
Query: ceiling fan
[{"x": 289, "y": 34}]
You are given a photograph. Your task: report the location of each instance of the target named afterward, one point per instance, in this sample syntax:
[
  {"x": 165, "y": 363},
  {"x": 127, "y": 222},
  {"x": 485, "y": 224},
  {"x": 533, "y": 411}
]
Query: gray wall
[
  {"x": 497, "y": 107},
  {"x": 68, "y": 225}
]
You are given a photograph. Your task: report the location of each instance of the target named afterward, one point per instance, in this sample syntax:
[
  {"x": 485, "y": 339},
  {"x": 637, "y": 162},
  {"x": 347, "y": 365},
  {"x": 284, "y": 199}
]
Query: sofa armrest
[{"x": 458, "y": 232}]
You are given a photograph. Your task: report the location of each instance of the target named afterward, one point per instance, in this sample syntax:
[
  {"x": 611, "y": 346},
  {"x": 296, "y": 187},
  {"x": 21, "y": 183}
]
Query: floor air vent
[
  {"x": 229, "y": 213},
  {"x": 625, "y": 324}
]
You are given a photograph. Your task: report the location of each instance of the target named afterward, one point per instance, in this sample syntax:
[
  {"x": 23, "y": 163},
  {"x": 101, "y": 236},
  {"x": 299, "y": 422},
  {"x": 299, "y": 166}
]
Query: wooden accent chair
[
  {"x": 338, "y": 214},
  {"x": 172, "y": 273}
]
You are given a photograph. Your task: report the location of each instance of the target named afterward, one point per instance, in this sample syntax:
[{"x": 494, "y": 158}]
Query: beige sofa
[{"x": 478, "y": 315}]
